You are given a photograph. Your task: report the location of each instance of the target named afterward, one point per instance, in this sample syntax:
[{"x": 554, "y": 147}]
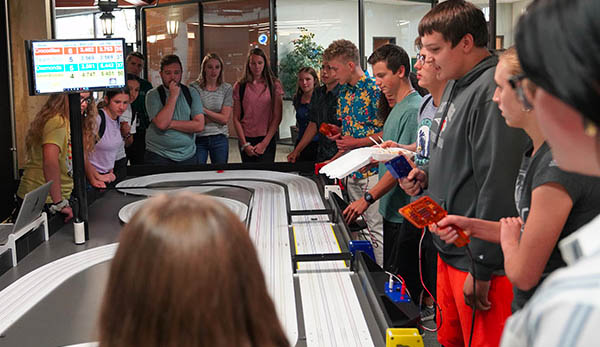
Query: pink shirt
[{"x": 257, "y": 107}]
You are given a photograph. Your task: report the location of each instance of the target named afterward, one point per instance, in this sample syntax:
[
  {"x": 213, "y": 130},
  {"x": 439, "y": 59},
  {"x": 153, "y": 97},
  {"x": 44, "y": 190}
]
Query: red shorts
[{"x": 456, "y": 315}]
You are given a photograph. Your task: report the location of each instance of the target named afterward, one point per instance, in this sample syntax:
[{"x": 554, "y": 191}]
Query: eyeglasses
[
  {"x": 421, "y": 58},
  {"x": 516, "y": 83},
  {"x": 88, "y": 100}
]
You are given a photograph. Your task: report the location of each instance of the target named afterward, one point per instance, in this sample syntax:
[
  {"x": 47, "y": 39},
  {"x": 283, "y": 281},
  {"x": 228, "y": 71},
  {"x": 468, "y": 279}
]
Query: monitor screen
[{"x": 69, "y": 66}]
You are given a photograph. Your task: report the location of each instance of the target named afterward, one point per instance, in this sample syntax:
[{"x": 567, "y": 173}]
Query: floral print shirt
[{"x": 357, "y": 110}]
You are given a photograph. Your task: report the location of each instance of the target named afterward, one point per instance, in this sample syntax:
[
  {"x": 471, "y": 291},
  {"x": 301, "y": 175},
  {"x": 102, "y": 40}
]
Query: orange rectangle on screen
[
  {"x": 70, "y": 50},
  {"x": 49, "y": 51},
  {"x": 86, "y": 50},
  {"x": 106, "y": 49}
]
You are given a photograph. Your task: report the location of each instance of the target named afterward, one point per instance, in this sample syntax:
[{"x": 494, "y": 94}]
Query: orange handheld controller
[{"x": 424, "y": 211}]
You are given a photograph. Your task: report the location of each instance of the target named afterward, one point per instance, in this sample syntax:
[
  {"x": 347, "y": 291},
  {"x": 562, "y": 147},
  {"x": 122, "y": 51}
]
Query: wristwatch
[
  {"x": 245, "y": 145},
  {"x": 369, "y": 198},
  {"x": 55, "y": 208}
]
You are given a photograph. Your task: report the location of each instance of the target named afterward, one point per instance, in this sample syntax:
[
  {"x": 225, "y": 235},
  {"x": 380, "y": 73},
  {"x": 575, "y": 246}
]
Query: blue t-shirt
[
  {"x": 302, "y": 119},
  {"x": 172, "y": 144}
]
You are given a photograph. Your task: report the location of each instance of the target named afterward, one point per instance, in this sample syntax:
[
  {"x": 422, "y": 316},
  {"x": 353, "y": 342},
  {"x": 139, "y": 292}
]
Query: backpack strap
[
  {"x": 242, "y": 92},
  {"x": 102, "y": 127},
  {"x": 163, "y": 94},
  {"x": 186, "y": 93},
  {"x": 424, "y": 103}
]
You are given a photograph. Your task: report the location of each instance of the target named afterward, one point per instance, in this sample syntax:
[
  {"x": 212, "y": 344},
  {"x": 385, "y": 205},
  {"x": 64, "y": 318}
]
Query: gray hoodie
[{"x": 473, "y": 164}]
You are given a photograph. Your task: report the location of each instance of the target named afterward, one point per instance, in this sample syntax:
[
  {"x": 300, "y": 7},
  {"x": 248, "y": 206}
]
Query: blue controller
[{"x": 399, "y": 167}]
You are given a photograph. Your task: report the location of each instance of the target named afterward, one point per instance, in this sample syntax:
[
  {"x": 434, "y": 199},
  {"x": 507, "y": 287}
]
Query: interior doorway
[{"x": 380, "y": 41}]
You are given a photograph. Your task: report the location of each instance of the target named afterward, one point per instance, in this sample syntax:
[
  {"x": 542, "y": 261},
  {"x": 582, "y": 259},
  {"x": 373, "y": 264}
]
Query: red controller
[
  {"x": 328, "y": 130},
  {"x": 424, "y": 211}
]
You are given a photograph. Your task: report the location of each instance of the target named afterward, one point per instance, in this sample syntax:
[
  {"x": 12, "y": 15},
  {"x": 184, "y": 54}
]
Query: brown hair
[
  {"x": 168, "y": 60},
  {"x": 202, "y": 76},
  {"x": 187, "y": 274},
  {"x": 454, "y": 19},
  {"x": 418, "y": 43},
  {"x": 344, "y": 49},
  {"x": 298, "y": 95},
  {"x": 134, "y": 54},
  {"x": 267, "y": 73},
  {"x": 394, "y": 57},
  {"x": 58, "y": 105}
]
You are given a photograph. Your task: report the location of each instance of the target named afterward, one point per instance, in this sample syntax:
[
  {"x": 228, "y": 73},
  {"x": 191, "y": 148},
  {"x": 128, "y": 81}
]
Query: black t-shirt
[
  {"x": 583, "y": 190},
  {"x": 323, "y": 107}
]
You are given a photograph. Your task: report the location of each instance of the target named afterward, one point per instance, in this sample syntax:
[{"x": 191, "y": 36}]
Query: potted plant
[{"x": 306, "y": 52}]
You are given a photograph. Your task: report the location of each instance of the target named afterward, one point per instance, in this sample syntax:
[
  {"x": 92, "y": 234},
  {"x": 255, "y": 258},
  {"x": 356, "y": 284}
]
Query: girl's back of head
[{"x": 187, "y": 274}]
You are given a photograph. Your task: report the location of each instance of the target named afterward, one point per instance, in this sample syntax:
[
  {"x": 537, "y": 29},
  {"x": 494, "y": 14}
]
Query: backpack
[{"x": 186, "y": 93}]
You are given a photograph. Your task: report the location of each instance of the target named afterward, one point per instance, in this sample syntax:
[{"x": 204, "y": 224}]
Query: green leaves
[{"x": 306, "y": 52}]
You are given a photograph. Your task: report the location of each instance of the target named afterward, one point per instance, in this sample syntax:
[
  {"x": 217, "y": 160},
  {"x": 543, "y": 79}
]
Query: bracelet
[
  {"x": 245, "y": 145},
  {"x": 54, "y": 208},
  {"x": 127, "y": 136}
]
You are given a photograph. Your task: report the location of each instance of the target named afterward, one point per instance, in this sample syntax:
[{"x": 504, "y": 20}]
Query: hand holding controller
[{"x": 424, "y": 212}]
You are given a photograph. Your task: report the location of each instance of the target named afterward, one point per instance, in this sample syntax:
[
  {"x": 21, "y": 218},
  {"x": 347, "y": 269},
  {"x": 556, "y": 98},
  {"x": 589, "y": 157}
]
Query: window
[{"x": 173, "y": 29}]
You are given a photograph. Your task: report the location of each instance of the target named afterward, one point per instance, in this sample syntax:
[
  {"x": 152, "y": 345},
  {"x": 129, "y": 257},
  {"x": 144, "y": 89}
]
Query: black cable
[{"x": 474, "y": 293}]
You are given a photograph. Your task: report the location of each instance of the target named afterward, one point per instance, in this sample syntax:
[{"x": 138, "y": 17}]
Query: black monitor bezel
[{"x": 31, "y": 72}]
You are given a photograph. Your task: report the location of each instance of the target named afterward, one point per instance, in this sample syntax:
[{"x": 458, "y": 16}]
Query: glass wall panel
[
  {"x": 507, "y": 16},
  {"x": 231, "y": 28},
  {"x": 84, "y": 24},
  {"x": 392, "y": 22},
  {"x": 328, "y": 20},
  {"x": 173, "y": 29}
]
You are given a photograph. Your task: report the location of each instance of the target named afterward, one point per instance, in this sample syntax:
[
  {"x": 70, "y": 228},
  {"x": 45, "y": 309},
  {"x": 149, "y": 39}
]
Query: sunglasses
[
  {"x": 516, "y": 83},
  {"x": 88, "y": 100}
]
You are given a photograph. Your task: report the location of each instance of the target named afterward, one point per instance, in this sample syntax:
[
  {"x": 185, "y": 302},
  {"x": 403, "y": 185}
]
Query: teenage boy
[
  {"x": 474, "y": 161},
  {"x": 391, "y": 66},
  {"x": 357, "y": 110},
  {"x": 323, "y": 109},
  {"x": 175, "y": 112},
  {"x": 134, "y": 65}
]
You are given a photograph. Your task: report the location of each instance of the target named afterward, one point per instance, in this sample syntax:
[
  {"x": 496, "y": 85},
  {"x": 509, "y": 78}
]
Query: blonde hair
[
  {"x": 511, "y": 59},
  {"x": 202, "y": 76},
  {"x": 56, "y": 105}
]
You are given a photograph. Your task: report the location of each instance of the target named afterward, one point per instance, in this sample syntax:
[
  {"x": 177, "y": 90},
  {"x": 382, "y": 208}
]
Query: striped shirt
[
  {"x": 565, "y": 310},
  {"x": 214, "y": 101}
]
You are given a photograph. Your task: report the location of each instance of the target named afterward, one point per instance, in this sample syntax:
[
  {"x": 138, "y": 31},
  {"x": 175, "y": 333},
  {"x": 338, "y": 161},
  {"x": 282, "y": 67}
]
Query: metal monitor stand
[{"x": 80, "y": 208}]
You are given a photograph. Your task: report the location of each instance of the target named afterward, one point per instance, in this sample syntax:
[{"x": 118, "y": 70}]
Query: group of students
[
  {"x": 481, "y": 153},
  {"x": 189, "y": 124},
  {"x": 507, "y": 145},
  {"x": 170, "y": 124}
]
